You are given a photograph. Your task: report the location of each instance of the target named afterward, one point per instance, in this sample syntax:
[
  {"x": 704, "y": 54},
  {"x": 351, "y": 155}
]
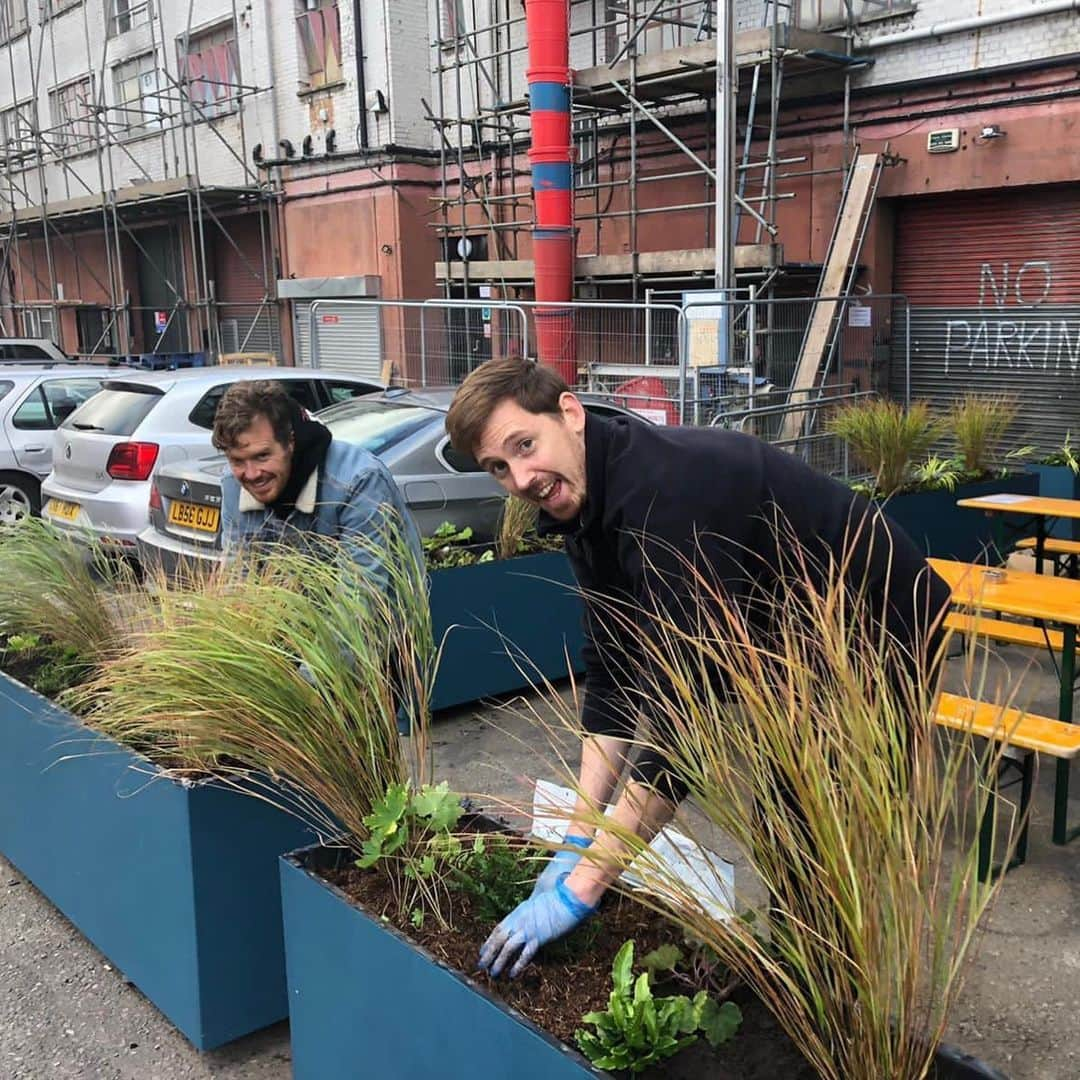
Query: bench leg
[{"x": 986, "y": 829}]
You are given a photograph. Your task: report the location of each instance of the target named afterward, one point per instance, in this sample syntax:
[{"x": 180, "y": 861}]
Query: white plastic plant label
[{"x": 709, "y": 877}]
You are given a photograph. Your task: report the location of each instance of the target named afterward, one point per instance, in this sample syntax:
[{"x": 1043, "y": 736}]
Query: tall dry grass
[
  {"x": 68, "y": 592},
  {"x": 813, "y": 750},
  {"x": 284, "y": 672}
]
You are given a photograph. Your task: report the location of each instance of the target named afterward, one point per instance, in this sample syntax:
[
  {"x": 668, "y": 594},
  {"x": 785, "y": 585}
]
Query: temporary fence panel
[{"x": 250, "y": 328}]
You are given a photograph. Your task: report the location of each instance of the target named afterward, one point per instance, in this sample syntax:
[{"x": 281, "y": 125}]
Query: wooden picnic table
[
  {"x": 1034, "y": 596},
  {"x": 1039, "y": 509}
]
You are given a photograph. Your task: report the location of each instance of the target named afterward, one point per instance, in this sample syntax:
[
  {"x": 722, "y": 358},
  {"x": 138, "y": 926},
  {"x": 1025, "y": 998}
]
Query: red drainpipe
[{"x": 547, "y": 27}]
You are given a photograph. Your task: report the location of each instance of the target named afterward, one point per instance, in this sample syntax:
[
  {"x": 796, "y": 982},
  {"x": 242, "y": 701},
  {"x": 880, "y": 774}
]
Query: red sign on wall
[{"x": 330, "y": 319}]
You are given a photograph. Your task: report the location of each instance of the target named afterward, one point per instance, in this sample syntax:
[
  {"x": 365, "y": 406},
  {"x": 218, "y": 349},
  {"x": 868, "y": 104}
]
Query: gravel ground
[{"x": 66, "y": 1012}]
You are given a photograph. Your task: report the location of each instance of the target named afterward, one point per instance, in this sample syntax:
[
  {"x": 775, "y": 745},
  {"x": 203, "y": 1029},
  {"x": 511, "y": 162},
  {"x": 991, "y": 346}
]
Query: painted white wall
[{"x": 275, "y": 105}]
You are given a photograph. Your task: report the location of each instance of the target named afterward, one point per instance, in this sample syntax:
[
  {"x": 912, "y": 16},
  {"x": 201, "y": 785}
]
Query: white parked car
[
  {"x": 105, "y": 453},
  {"x": 31, "y": 350},
  {"x": 34, "y": 401}
]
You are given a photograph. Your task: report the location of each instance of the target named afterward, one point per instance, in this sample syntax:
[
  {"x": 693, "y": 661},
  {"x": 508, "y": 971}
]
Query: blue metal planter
[
  {"x": 365, "y": 1001},
  {"x": 1059, "y": 482},
  {"x": 526, "y": 607},
  {"x": 175, "y": 883},
  {"x": 947, "y": 531}
]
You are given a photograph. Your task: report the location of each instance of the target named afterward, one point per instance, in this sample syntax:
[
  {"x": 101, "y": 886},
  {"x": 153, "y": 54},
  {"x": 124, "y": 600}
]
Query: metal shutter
[
  {"x": 993, "y": 279},
  {"x": 349, "y": 337}
]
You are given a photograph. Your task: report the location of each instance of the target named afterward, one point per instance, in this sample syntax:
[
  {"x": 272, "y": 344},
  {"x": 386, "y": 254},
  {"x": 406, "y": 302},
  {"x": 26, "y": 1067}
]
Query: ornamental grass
[
  {"x": 285, "y": 672},
  {"x": 816, "y": 754}
]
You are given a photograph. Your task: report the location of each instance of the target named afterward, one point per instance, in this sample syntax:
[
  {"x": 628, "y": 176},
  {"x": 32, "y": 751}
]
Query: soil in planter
[{"x": 572, "y": 978}]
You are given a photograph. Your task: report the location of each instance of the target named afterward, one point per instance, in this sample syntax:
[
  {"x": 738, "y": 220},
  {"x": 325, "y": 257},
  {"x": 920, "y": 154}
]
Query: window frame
[
  {"x": 10, "y": 29},
  {"x": 68, "y": 143},
  {"x": 321, "y": 78},
  {"x": 134, "y": 121},
  {"x": 221, "y": 106},
  {"x": 105, "y": 345},
  {"x": 135, "y": 8},
  {"x": 24, "y": 113},
  {"x": 53, "y": 9}
]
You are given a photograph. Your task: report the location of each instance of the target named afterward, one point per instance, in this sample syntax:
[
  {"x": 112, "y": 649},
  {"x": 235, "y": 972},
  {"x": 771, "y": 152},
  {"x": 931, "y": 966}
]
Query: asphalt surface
[{"x": 66, "y": 1012}]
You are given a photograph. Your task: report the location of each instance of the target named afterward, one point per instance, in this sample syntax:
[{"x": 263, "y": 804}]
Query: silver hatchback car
[
  {"x": 34, "y": 401},
  {"x": 106, "y": 452}
]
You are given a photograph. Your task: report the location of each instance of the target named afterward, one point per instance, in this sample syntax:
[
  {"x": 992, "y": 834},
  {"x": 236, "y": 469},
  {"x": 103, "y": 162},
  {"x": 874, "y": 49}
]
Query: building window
[
  {"x": 17, "y": 126},
  {"x": 125, "y": 14},
  {"x": 831, "y": 14},
  {"x": 72, "y": 110},
  {"x": 209, "y": 65},
  {"x": 138, "y": 108},
  {"x": 51, "y": 8},
  {"x": 451, "y": 22},
  {"x": 12, "y": 19},
  {"x": 96, "y": 326},
  {"x": 319, "y": 30},
  {"x": 40, "y": 322}
]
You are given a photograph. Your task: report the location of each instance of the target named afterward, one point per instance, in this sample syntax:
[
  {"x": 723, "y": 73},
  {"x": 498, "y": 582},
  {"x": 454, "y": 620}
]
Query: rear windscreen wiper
[{"x": 87, "y": 427}]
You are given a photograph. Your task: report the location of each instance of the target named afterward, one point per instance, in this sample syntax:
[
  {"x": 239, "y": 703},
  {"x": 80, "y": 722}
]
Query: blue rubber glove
[
  {"x": 560, "y": 864},
  {"x": 534, "y": 922}
]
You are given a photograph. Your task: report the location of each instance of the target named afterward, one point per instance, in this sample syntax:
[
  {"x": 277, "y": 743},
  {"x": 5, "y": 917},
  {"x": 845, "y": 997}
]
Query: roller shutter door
[
  {"x": 348, "y": 337},
  {"x": 993, "y": 279}
]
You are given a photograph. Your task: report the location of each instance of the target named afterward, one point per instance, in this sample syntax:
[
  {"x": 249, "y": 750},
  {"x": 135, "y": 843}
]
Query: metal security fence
[{"x": 720, "y": 362}]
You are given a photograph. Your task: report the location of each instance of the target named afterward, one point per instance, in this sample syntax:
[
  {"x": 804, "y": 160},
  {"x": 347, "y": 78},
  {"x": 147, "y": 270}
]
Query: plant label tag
[{"x": 710, "y": 878}]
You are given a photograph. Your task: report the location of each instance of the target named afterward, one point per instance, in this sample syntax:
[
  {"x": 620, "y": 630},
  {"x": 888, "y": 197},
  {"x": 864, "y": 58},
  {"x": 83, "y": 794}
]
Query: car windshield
[{"x": 378, "y": 425}]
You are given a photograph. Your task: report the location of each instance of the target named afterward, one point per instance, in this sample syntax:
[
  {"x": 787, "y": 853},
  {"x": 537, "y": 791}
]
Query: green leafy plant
[
  {"x": 979, "y": 424},
  {"x": 496, "y": 872},
  {"x": 50, "y": 668},
  {"x": 449, "y": 546},
  {"x": 638, "y": 1030},
  {"x": 410, "y": 837},
  {"x": 886, "y": 438},
  {"x": 1064, "y": 455},
  {"x": 938, "y": 474}
]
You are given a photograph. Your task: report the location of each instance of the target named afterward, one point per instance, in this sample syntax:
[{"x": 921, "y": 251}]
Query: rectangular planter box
[
  {"x": 177, "y": 884},
  {"x": 944, "y": 530},
  {"x": 526, "y": 606},
  {"x": 1059, "y": 482},
  {"x": 364, "y": 1000}
]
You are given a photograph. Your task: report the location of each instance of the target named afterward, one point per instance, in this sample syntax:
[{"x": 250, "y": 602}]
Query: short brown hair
[
  {"x": 244, "y": 402},
  {"x": 533, "y": 386}
]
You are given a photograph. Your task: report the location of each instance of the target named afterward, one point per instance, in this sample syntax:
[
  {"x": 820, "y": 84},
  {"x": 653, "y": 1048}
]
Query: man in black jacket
[{"x": 646, "y": 510}]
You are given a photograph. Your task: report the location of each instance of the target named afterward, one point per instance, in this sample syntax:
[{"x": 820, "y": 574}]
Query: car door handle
[{"x": 34, "y": 449}]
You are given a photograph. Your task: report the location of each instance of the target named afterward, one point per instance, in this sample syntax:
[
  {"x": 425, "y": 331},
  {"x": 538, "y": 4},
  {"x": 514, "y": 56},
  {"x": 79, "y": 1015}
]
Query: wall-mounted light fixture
[{"x": 991, "y": 131}]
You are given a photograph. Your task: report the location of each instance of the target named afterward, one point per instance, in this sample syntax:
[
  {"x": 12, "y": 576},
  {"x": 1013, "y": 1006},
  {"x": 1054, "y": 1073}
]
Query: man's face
[
  {"x": 538, "y": 456},
  {"x": 259, "y": 462}
]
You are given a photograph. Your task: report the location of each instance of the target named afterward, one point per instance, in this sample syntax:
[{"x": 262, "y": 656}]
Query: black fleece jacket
[{"x": 733, "y": 506}]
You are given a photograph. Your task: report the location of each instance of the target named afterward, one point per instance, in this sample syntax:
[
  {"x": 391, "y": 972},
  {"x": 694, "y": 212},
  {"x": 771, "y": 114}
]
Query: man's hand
[
  {"x": 560, "y": 864},
  {"x": 534, "y": 922}
]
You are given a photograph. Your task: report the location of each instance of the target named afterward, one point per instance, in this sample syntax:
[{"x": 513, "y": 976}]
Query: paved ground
[{"x": 65, "y": 1012}]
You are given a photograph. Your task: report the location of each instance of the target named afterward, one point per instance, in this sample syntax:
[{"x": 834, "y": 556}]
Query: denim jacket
[{"x": 349, "y": 494}]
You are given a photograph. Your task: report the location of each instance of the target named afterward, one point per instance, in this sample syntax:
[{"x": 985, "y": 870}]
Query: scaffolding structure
[
  {"x": 97, "y": 228},
  {"x": 643, "y": 99}
]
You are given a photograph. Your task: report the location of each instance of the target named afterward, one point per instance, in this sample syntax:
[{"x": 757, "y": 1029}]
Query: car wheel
[{"x": 19, "y": 497}]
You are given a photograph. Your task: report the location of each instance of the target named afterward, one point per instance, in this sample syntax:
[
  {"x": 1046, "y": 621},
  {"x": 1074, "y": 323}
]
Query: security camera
[{"x": 991, "y": 131}]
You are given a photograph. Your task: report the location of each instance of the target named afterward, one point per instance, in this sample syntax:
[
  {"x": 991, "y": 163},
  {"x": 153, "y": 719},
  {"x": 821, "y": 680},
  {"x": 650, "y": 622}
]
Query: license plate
[
  {"x": 60, "y": 508},
  {"x": 193, "y": 516}
]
